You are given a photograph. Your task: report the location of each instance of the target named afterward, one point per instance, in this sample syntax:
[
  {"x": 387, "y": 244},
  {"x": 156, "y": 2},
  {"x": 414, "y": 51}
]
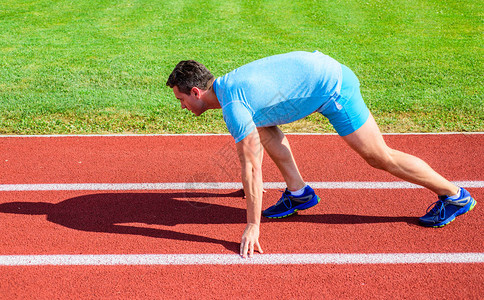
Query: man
[{"x": 280, "y": 89}]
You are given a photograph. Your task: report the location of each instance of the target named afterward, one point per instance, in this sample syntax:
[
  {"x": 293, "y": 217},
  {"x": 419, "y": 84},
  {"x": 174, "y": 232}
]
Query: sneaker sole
[
  {"x": 292, "y": 211},
  {"x": 452, "y": 218}
]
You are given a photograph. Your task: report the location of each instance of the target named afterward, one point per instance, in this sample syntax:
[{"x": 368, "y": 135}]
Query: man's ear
[{"x": 196, "y": 91}]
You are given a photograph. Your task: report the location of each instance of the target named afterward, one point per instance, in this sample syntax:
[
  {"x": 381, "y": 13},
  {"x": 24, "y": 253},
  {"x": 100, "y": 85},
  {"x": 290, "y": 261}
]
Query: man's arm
[{"x": 249, "y": 151}]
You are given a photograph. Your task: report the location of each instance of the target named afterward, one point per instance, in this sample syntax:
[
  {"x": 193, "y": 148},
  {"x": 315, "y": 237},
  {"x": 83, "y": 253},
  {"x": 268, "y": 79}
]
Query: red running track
[{"x": 211, "y": 221}]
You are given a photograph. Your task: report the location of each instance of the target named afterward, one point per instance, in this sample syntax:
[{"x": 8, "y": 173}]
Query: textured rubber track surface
[{"x": 211, "y": 221}]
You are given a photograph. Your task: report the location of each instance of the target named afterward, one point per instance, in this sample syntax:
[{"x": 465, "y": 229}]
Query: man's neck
[{"x": 210, "y": 98}]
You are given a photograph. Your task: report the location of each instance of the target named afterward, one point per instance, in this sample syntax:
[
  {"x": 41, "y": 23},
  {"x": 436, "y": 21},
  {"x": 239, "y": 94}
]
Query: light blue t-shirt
[{"x": 276, "y": 90}]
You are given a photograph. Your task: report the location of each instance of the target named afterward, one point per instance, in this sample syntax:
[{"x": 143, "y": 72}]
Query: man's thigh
[
  {"x": 270, "y": 135},
  {"x": 367, "y": 140}
]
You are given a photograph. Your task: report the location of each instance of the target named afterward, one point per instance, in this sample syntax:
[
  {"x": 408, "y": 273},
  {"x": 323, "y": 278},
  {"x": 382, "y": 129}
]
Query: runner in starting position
[{"x": 280, "y": 89}]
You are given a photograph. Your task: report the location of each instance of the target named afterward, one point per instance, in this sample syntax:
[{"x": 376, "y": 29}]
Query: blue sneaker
[
  {"x": 289, "y": 204},
  {"x": 445, "y": 210}
]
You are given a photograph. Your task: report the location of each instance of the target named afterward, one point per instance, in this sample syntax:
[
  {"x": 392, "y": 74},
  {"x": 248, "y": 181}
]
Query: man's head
[
  {"x": 189, "y": 74},
  {"x": 190, "y": 81}
]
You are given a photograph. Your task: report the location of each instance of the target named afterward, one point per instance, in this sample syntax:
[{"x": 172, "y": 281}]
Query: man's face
[{"x": 191, "y": 102}]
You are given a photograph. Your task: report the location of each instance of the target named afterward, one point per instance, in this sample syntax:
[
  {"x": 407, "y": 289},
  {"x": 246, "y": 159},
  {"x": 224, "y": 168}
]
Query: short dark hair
[{"x": 188, "y": 74}]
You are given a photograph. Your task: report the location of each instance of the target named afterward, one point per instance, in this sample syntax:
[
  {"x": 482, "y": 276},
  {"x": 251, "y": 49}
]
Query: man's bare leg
[
  {"x": 368, "y": 142},
  {"x": 277, "y": 147},
  {"x": 300, "y": 196}
]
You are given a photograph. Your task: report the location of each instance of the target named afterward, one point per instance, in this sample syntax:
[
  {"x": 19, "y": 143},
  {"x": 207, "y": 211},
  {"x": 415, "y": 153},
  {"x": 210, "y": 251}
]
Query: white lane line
[
  {"x": 234, "y": 259},
  {"x": 218, "y": 134},
  {"x": 212, "y": 186}
]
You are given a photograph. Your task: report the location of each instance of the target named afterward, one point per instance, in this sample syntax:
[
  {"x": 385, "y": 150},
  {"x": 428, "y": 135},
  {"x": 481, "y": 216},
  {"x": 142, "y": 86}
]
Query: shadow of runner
[
  {"x": 347, "y": 219},
  {"x": 107, "y": 212}
]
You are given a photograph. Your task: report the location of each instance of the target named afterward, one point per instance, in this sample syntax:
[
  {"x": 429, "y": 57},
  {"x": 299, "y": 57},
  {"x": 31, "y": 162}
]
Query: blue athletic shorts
[{"x": 347, "y": 112}]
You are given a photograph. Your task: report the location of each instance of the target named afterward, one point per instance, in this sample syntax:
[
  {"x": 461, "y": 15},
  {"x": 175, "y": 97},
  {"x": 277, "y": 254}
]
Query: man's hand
[{"x": 250, "y": 240}]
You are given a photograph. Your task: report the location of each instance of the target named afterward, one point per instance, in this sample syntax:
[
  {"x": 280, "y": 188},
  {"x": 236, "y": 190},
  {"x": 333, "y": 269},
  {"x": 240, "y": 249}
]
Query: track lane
[
  {"x": 346, "y": 221},
  {"x": 462, "y": 281},
  {"x": 147, "y": 159}
]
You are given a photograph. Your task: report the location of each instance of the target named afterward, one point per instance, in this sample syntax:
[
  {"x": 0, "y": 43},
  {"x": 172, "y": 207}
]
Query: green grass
[{"x": 101, "y": 66}]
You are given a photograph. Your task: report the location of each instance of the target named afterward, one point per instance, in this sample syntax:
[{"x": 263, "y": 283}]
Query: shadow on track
[
  {"x": 113, "y": 213},
  {"x": 348, "y": 219}
]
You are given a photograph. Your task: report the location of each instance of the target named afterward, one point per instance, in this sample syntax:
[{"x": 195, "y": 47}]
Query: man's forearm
[
  {"x": 249, "y": 152},
  {"x": 252, "y": 181}
]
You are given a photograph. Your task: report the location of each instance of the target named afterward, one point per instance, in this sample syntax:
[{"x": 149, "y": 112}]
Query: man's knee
[{"x": 382, "y": 161}]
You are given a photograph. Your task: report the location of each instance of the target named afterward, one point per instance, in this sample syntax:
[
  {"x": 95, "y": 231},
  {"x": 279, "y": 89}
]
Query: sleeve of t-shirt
[{"x": 238, "y": 119}]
